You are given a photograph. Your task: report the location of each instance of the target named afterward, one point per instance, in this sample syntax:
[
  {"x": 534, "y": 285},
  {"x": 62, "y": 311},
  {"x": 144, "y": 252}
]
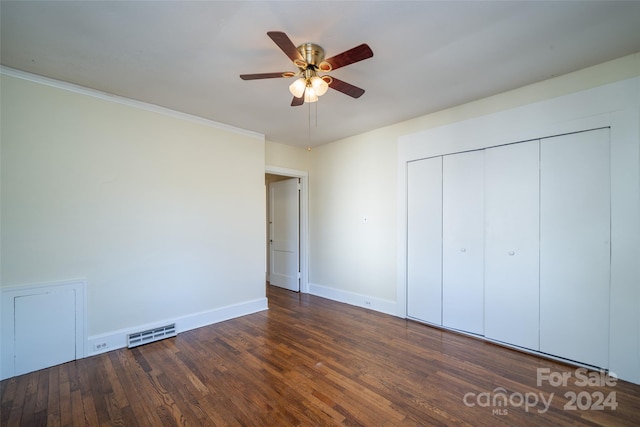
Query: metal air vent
[{"x": 156, "y": 334}]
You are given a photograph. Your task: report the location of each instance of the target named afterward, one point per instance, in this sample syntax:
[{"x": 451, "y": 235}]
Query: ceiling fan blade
[
  {"x": 266, "y": 75},
  {"x": 285, "y": 44},
  {"x": 297, "y": 101},
  {"x": 350, "y": 56},
  {"x": 346, "y": 88}
]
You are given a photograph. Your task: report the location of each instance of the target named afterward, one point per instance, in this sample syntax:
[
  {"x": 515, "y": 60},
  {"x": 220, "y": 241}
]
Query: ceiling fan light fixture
[
  {"x": 309, "y": 59},
  {"x": 297, "y": 87},
  {"x": 309, "y": 86}
]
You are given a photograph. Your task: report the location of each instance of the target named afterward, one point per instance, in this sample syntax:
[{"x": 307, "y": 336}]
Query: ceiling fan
[{"x": 309, "y": 58}]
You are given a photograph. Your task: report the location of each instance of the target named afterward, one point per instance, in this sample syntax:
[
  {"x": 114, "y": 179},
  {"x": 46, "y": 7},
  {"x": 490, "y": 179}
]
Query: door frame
[{"x": 304, "y": 219}]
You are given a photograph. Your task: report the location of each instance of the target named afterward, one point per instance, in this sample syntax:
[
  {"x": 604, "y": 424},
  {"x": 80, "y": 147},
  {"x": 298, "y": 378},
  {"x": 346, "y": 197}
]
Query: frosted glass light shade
[
  {"x": 320, "y": 86},
  {"x": 310, "y": 95},
  {"x": 297, "y": 87}
]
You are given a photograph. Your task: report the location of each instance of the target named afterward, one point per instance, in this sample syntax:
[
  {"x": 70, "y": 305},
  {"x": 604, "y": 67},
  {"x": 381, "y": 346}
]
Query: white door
[
  {"x": 45, "y": 330},
  {"x": 284, "y": 231},
  {"x": 424, "y": 240},
  {"x": 463, "y": 241},
  {"x": 512, "y": 244},
  {"x": 575, "y": 246}
]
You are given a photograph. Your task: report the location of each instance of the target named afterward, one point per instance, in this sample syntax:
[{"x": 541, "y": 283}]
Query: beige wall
[
  {"x": 136, "y": 201},
  {"x": 286, "y": 156},
  {"x": 350, "y": 180}
]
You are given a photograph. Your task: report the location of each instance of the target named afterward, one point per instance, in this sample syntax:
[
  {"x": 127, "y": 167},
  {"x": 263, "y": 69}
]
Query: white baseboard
[
  {"x": 97, "y": 344},
  {"x": 352, "y": 298}
]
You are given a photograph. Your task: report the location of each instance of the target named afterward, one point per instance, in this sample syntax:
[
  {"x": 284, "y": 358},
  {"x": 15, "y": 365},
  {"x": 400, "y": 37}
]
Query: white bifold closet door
[
  {"x": 463, "y": 241},
  {"x": 575, "y": 246},
  {"x": 424, "y": 240},
  {"x": 512, "y": 244}
]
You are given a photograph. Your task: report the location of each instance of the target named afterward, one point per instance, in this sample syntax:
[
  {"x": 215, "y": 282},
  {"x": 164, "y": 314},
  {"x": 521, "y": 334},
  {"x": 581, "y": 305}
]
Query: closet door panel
[
  {"x": 463, "y": 241},
  {"x": 575, "y": 246},
  {"x": 512, "y": 244},
  {"x": 424, "y": 240}
]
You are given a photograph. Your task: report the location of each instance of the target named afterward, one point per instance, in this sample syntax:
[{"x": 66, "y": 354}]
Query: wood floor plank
[
  {"x": 78, "y": 411},
  {"x": 15, "y": 410},
  {"x": 64, "y": 411},
  {"x": 52, "y": 408},
  {"x": 309, "y": 361},
  {"x": 29, "y": 406}
]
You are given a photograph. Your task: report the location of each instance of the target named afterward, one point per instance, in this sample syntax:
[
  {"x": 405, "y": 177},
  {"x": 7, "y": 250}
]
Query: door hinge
[{"x": 299, "y": 275}]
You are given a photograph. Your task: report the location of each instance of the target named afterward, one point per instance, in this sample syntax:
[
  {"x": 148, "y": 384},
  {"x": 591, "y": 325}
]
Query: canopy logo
[{"x": 499, "y": 400}]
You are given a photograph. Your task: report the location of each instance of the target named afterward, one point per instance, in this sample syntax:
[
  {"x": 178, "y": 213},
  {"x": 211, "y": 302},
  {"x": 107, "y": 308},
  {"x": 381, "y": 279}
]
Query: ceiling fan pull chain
[{"x": 309, "y": 119}]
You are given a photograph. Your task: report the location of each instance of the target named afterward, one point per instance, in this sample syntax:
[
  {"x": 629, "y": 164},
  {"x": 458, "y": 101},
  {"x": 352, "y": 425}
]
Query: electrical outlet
[
  {"x": 367, "y": 303},
  {"x": 99, "y": 346}
]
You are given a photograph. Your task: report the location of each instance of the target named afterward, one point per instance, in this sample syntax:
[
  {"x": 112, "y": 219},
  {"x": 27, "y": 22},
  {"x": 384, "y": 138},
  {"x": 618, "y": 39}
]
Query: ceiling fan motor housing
[{"x": 313, "y": 55}]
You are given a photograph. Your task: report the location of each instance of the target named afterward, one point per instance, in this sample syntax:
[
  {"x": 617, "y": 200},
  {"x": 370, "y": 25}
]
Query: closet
[{"x": 513, "y": 243}]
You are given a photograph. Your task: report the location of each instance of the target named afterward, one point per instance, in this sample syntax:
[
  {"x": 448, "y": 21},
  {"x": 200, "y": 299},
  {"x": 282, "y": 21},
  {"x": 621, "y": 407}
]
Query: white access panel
[
  {"x": 45, "y": 330},
  {"x": 575, "y": 246},
  {"x": 463, "y": 242},
  {"x": 424, "y": 240},
  {"x": 512, "y": 244}
]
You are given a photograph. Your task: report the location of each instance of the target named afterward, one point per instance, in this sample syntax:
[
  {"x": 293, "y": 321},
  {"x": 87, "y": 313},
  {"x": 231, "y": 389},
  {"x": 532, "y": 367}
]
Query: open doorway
[
  {"x": 283, "y": 232},
  {"x": 286, "y": 244}
]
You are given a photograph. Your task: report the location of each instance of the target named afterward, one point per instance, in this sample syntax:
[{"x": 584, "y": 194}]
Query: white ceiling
[{"x": 428, "y": 55}]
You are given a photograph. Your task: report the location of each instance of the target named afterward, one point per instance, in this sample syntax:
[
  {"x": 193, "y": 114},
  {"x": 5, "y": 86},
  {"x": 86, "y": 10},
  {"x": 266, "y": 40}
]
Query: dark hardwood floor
[{"x": 309, "y": 361}]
